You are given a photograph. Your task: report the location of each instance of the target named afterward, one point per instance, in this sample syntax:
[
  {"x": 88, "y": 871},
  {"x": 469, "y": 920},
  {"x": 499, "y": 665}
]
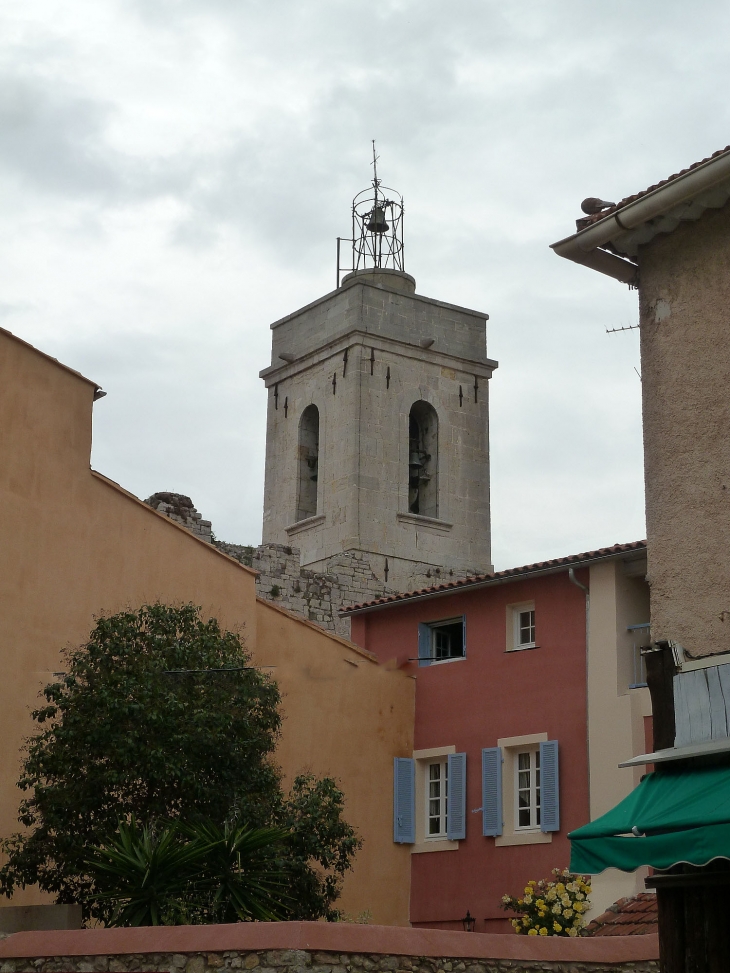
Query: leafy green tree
[{"x": 161, "y": 717}]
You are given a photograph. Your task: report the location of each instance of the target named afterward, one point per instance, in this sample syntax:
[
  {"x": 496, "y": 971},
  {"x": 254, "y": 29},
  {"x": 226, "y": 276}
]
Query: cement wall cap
[{"x": 335, "y": 937}]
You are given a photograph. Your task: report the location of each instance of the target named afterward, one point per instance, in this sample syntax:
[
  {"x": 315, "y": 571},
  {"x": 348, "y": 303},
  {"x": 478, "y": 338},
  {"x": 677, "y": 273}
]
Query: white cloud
[{"x": 174, "y": 173}]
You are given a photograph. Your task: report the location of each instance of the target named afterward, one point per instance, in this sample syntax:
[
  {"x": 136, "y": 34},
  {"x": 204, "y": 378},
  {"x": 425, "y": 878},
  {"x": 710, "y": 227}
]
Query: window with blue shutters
[
  {"x": 404, "y": 800},
  {"x": 492, "y": 791},
  {"x": 549, "y": 786},
  {"x": 441, "y": 641}
]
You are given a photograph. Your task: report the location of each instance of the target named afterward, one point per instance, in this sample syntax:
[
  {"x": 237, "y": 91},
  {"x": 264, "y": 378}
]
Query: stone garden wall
[{"x": 307, "y": 947}]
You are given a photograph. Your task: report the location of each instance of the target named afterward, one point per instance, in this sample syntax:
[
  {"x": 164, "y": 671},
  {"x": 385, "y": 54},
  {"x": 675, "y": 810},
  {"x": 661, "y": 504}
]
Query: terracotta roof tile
[
  {"x": 481, "y": 579},
  {"x": 585, "y": 221},
  {"x": 634, "y": 916}
]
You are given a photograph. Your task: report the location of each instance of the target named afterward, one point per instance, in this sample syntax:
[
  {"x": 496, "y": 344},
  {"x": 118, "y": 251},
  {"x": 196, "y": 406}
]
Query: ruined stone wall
[
  {"x": 180, "y": 509},
  {"x": 315, "y": 596},
  {"x": 318, "y": 596}
]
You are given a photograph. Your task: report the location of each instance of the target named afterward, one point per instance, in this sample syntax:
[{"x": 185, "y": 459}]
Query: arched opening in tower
[
  {"x": 308, "y": 463},
  {"x": 423, "y": 428}
]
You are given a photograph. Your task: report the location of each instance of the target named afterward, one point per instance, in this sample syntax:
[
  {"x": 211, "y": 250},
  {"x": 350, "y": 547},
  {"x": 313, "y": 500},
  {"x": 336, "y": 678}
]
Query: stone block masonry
[
  {"x": 300, "y": 947},
  {"x": 318, "y": 596}
]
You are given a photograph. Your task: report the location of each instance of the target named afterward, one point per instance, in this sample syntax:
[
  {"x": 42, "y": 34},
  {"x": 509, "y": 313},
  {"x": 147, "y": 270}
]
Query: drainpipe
[{"x": 573, "y": 580}]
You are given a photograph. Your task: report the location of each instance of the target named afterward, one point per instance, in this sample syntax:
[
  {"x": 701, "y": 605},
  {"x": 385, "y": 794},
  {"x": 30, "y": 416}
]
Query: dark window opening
[
  {"x": 447, "y": 640},
  {"x": 308, "y": 463},
  {"x": 423, "y": 460}
]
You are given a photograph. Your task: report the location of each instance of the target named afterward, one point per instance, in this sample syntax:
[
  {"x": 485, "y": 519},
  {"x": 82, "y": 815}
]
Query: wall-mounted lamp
[{"x": 468, "y": 922}]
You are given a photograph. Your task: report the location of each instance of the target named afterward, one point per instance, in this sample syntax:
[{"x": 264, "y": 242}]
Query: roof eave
[
  {"x": 584, "y": 246},
  {"x": 488, "y": 582}
]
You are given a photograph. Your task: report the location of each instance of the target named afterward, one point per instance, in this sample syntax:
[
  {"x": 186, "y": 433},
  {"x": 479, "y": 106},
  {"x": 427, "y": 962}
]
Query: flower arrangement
[{"x": 551, "y": 908}]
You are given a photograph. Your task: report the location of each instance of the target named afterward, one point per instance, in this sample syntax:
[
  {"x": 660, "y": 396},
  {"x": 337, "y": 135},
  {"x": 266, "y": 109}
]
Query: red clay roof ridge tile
[
  {"x": 586, "y": 221},
  {"x": 568, "y": 560}
]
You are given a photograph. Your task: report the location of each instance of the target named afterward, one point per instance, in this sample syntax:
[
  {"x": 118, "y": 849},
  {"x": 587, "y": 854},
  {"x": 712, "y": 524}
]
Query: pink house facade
[{"x": 503, "y": 762}]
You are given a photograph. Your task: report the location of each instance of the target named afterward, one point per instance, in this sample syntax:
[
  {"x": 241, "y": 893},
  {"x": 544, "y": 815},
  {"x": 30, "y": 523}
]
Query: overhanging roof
[{"x": 603, "y": 242}]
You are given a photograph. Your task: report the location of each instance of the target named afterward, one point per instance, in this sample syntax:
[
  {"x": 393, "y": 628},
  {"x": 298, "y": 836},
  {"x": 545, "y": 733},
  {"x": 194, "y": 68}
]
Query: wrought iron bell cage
[{"x": 377, "y": 228}]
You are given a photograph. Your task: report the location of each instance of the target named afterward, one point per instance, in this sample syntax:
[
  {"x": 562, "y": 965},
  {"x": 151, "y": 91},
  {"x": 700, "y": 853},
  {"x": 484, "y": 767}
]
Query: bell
[{"x": 377, "y": 222}]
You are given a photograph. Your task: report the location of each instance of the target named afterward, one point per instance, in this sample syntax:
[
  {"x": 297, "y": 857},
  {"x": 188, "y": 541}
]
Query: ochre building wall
[
  {"x": 74, "y": 545},
  {"x": 347, "y": 717},
  {"x": 685, "y": 352}
]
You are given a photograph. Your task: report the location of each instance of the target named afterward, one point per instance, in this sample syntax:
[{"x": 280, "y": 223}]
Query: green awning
[{"x": 680, "y": 816}]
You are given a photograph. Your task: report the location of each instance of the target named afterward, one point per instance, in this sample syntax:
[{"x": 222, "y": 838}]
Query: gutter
[{"x": 583, "y": 247}]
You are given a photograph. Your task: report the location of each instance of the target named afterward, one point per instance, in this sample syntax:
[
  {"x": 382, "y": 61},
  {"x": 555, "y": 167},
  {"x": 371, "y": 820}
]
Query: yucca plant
[
  {"x": 170, "y": 873},
  {"x": 145, "y": 871},
  {"x": 242, "y": 875}
]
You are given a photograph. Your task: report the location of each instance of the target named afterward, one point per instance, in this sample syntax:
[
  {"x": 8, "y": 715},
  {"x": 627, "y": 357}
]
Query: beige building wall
[
  {"x": 74, "y": 545},
  {"x": 685, "y": 351},
  {"x": 364, "y": 355},
  {"x": 619, "y": 598}
]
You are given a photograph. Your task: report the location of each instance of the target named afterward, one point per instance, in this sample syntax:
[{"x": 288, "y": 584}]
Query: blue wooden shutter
[
  {"x": 492, "y": 791},
  {"x": 424, "y": 645},
  {"x": 549, "y": 789},
  {"x": 404, "y": 800},
  {"x": 456, "y": 817}
]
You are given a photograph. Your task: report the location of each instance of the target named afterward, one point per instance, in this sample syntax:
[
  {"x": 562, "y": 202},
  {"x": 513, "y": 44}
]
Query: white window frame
[
  {"x": 442, "y": 798},
  {"x": 514, "y": 627},
  {"x": 533, "y": 787},
  {"x": 511, "y": 834},
  {"x": 424, "y": 842},
  {"x": 442, "y": 623}
]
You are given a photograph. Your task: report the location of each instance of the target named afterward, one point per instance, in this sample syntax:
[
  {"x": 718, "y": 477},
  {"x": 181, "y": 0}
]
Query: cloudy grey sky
[{"x": 174, "y": 174}]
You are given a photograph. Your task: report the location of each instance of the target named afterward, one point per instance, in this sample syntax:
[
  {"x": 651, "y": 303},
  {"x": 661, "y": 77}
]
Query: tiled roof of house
[
  {"x": 482, "y": 579},
  {"x": 634, "y": 916},
  {"x": 595, "y": 217}
]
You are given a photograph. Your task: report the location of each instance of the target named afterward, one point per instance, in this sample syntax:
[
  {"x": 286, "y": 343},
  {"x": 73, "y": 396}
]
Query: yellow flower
[
  {"x": 540, "y": 903},
  {"x": 572, "y": 932},
  {"x": 543, "y": 931},
  {"x": 533, "y": 932},
  {"x": 520, "y": 902},
  {"x": 567, "y": 913},
  {"x": 557, "y": 927},
  {"x": 506, "y": 899},
  {"x": 557, "y": 909},
  {"x": 560, "y": 887},
  {"x": 579, "y": 907},
  {"x": 525, "y": 921},
  {"x": 527, "y": 899},
  {"x": 532, "y": 882}
]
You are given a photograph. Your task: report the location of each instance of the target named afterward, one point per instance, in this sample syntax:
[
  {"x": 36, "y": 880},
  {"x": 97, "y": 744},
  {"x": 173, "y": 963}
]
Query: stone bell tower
[{"x": 377, "y": 438}]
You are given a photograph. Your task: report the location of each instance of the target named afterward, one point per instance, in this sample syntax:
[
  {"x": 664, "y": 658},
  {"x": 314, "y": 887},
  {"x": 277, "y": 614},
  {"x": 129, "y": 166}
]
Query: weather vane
[{"x": 377, "y": 228}]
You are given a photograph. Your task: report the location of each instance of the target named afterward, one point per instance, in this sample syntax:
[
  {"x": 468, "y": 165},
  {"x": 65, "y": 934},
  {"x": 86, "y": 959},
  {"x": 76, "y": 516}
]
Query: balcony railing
[{"x": 639, "y": 666}]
